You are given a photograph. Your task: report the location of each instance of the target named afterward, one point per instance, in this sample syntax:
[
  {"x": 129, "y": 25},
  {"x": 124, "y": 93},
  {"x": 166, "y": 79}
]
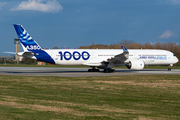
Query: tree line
[{"x": 130, "y": 44}]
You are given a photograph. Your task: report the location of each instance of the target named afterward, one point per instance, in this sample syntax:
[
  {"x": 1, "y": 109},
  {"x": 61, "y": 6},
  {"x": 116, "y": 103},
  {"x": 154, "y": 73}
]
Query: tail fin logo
[
  {"x": 25, "y": 39},
  {"x": 31, "y": 47}
]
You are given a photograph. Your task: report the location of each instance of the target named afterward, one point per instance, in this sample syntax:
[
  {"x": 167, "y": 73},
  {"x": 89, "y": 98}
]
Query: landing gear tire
[
  {"x": 93, "y": 70},
  {"x": 109, "y": 70},
  {"x": 106, "y": 70},
  {"x": 96, "y": 70},
  {"x": 90, "y": 70}
]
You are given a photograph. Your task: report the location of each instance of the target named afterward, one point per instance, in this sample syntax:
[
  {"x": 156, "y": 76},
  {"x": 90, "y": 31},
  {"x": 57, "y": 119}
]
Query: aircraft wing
[
  {"x": 95, "y": 62},
  {"x": 120, "y": 57}
]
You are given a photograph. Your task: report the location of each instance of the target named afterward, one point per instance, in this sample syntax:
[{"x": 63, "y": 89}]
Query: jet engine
[{"x": 135, "y": 65}]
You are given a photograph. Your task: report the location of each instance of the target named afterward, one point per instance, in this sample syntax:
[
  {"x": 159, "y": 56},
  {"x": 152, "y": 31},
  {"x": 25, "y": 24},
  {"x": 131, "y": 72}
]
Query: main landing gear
[
  {"x": 106, "y": 70},
  {"x": 109, "y": 70},
  {"x": 93, "y": 70}
]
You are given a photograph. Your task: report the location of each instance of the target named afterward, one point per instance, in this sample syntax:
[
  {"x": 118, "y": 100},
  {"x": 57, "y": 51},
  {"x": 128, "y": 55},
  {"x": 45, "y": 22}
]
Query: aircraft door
[
  {"x": 93, "y": 55},
  {"x": 168, "y": 55},
  {"x": 135, "y": 55}
]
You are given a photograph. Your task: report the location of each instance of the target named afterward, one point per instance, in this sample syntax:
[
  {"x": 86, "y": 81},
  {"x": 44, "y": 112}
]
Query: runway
[{"x": 79, "y": 72}]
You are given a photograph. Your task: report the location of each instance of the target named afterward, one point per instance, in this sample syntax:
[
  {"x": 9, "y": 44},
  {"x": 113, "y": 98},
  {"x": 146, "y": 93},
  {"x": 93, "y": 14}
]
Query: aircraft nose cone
[{"x": 175, "y": 60}]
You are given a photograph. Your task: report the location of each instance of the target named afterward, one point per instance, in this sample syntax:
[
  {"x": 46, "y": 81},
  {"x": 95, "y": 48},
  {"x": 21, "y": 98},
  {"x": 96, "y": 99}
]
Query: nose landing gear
[{"x": 169, "y": 67}]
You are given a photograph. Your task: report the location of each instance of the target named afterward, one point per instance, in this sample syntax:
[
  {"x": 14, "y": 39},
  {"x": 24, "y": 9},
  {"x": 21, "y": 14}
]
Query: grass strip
[{"x": 115, "y": 97}]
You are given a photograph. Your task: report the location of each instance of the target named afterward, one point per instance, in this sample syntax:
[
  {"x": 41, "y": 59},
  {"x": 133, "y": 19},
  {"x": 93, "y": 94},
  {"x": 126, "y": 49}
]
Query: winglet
[{"x": 124, "y": 49}]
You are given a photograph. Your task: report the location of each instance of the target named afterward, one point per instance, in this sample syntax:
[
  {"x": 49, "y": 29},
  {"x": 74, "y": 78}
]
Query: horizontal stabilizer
[
  {"x": 28, "y": 54},
  {"x": 10, "y": 52}
]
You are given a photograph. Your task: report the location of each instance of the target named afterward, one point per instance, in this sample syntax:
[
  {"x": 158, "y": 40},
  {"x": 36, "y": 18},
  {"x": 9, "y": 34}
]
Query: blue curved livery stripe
[{"x": 41, "y": 55}]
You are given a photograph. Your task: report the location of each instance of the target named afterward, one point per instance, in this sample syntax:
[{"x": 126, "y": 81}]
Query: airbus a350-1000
[{"x": 104, "y": 59}]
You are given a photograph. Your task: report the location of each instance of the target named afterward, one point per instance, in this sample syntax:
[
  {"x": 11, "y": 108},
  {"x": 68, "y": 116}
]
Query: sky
[{"x": 75, "y": 23}]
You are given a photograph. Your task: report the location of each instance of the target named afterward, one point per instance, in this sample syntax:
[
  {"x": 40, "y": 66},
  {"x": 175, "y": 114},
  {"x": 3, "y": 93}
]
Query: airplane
[{"x": 97, "y": 59}]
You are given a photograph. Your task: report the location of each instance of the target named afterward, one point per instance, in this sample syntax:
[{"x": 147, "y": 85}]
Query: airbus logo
[{"x": 154, "y": 57}]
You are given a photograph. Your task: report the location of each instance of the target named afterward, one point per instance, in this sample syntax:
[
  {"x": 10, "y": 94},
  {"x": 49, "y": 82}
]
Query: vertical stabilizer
[
  {"x": 30, "y": 46},
  {"x": 26, "y": 40}
]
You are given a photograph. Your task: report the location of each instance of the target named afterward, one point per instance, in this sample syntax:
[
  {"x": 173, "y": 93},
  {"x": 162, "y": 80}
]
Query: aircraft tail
[
  {"x": 26, "y": 40},
  {"x": 30, "y": 46}
]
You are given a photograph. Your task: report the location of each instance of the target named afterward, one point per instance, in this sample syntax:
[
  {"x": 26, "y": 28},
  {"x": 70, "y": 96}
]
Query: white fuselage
[{"x": 94, "y": 57}]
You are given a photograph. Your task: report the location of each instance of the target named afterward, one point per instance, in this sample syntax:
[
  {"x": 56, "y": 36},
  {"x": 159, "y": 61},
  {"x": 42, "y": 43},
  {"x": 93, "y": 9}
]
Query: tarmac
[{"x": 80, "y": 72}]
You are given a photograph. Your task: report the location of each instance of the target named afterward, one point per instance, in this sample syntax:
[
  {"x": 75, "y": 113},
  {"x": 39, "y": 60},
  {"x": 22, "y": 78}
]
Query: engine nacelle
[{"x": 135, "y": 65}]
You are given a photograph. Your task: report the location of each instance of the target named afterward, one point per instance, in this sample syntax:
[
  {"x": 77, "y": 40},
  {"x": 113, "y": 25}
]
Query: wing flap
[{"x": 94, "y": 62}]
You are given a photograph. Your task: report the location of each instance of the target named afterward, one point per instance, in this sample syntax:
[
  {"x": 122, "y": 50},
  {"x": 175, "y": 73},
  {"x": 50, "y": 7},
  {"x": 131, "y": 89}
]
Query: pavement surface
[{"x": 80, "y": 72}]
